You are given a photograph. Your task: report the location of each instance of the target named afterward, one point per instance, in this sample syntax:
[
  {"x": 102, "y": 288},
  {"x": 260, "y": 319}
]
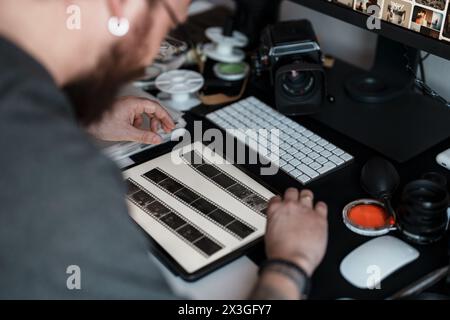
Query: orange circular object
[{"x": 369, "y": 216}]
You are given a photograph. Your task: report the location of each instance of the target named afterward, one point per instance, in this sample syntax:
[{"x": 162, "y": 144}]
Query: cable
[
  {"x": 426, "y": 56},
  {"x": 422, "y": 71},
  {"x": 421, "y": 83},
  {"x": 422, "y": 66}
]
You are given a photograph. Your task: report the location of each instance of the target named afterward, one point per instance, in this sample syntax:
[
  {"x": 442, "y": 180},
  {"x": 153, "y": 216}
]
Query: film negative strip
[
  {"x": 203, "y": 206},
  {"x": 226, "y": 182},
  {"x": 172, "y": 220}
]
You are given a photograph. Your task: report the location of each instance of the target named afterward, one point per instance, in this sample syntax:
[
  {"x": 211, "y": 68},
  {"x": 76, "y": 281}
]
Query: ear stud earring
[{"x": 118, "y": 27}]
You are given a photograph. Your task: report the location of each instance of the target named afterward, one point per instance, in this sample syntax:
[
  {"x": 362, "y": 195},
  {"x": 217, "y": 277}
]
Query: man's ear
[{"x": 116, "y": 7}]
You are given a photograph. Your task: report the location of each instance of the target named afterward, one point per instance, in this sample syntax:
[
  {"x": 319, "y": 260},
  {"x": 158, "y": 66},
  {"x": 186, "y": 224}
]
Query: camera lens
[
  {"x": 298, "y": 84},
  {"x": 422, "y": 215}
]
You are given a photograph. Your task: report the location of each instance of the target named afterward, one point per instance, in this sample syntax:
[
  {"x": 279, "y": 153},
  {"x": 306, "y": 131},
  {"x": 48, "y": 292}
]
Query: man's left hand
[{"x": 125, "y": 120}]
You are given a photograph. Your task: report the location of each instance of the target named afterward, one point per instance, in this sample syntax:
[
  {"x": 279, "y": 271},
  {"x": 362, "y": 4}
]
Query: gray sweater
[{"x": 61, "y": 202}]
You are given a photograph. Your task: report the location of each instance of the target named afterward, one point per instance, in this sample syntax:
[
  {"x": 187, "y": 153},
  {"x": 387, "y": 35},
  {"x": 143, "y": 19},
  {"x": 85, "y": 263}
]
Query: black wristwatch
[{"x": 291, "y": 271}]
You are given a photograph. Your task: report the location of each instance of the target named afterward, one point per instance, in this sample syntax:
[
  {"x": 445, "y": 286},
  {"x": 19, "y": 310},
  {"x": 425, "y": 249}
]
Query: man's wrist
[
  {"x": 300, "y": 261},
  {"x": 276, "y": 286},
  {"x": 305, "y": 265},
  {"x": 289, "y": 270}
]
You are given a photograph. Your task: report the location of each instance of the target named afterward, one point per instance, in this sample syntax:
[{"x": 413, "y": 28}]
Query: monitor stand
[
  {"x": 380, "y": 108},
  {"x": 391, "y": 75}
]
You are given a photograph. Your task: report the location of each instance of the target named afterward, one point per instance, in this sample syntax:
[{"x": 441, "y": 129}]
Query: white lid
[{"x": 180, "y": 82}]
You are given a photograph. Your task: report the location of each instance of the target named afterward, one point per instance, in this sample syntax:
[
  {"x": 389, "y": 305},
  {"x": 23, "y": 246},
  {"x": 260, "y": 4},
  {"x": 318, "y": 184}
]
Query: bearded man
[{"x": 63, "y": 206}]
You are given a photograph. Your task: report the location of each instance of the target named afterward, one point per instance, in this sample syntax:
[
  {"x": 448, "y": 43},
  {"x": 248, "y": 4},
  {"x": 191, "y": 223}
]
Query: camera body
[{"x": 291, "y": 54}]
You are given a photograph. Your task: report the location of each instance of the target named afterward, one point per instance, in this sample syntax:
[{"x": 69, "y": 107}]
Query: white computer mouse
[
  {"x": 369, "y": 264},
  {"x": 443, "y": 159}
]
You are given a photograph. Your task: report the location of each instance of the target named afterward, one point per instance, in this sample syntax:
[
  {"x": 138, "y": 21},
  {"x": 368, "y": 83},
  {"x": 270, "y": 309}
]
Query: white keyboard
[{"x": 302, "y": 154}]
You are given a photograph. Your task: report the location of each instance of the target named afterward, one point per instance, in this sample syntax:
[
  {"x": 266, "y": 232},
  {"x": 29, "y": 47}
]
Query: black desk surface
[{"x": 338, "y": 189}]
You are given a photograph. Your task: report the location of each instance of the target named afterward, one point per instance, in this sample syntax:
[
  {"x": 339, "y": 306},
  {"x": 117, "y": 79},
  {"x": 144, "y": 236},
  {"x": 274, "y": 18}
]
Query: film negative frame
[
  {"x": 206, "y": 216},
  {"x": 166, "y": 226},
  {"x": 196, "y": 168}
]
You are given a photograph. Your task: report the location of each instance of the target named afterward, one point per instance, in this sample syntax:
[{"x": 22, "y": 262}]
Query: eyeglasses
[
  {"x": 176, "y": 22},
  {"x": 172, "y": 47}
]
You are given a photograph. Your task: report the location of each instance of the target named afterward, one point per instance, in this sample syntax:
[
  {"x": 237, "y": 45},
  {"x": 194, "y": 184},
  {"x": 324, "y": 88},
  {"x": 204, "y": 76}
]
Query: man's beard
[{"x": 93, "y": 95}]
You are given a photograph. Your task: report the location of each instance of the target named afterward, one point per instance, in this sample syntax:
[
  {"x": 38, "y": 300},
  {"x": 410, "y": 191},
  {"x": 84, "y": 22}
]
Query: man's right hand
[{"x": 296, "y": 230}]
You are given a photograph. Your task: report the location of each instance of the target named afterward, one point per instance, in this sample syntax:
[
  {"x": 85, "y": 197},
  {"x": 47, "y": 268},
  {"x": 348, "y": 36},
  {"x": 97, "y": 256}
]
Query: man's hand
[
  {"x": 124, "y": 122},
  {"x": 296, "y": 230}
]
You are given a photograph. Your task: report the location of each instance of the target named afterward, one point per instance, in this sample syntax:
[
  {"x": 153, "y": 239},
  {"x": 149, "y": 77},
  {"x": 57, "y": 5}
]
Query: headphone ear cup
[{"x": 118, "y": 27}]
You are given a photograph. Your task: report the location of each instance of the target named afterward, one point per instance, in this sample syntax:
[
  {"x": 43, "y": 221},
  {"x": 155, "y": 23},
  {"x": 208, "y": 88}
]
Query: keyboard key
[
  {"x": 291, "y": 141},
  {"x": 290, "y": 132},
  {"x": 325, "y": 153},
  {"x": 288, "y": 168},
  {"x": 190, "y": 233},
  {"x": 313, "y": 155},
  {"x": 307, "y": 160},
  {"x": 306, "y": 150},
  {"x": 296, "y": 173},
  {"x": 295, "y": 162},
  {"x": 299, "y": 155},
  {"x": 173, "y": 221},
  {"x": 240, "y": 229},
  {"x": 263, "y": 151},
  {"x": 346, "y": 157},
  {"x": 336, "y": 160},
  {"x": 296, "y": 126},
  {"x": 207, "y": 246},
  {"x": 330, "y": 147},
  {"x": 318, "y": 149},
  {"x": 308, "y": 133},
  {"x": 327, "y": 167},
  {"x": 321, "y": 160},
  {"x": 338, "y": 151},
  {"x": 315, "y": 165},
  {"x": 304, "y": 179},
  {"x": 292, "y": 151},
  {"x": 308, "y": 171}
]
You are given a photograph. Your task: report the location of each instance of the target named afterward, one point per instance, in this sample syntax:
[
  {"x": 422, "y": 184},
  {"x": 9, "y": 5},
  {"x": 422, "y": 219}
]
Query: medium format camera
[{"x": 291, "y": 54}]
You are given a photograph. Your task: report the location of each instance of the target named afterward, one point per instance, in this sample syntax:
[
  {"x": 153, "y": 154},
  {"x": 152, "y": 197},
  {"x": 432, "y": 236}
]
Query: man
[{"x": 62, "y": 202}]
